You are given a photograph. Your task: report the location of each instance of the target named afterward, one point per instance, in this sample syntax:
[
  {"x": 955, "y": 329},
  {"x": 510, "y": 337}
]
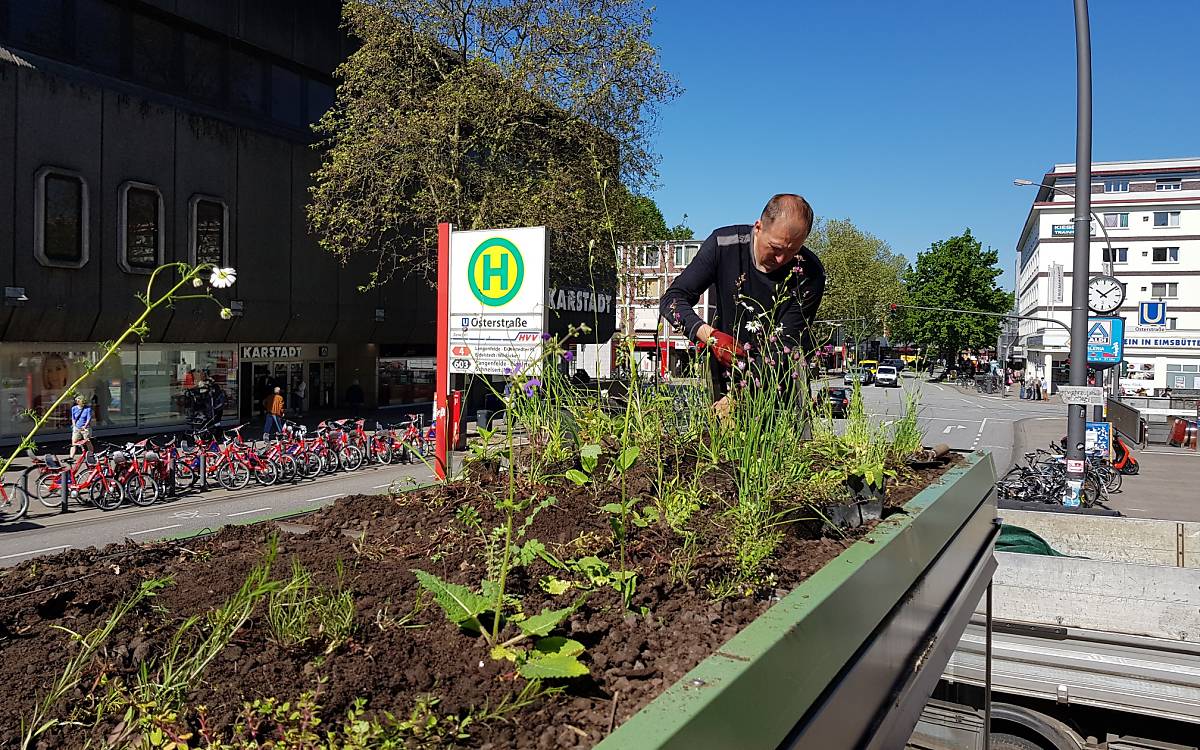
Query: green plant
[
  {"x": 89, "y": 644},
  {"x": 683, "y": 558},
  {"x": 201, "y": 637},
  {"x": 907, "y": 438},
  {"x": 300, "y": 610},
  {"x": 472, "y": 611}
]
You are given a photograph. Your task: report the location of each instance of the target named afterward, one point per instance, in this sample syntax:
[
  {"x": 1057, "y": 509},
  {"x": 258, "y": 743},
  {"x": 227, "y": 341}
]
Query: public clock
[{"x": 1105, "y": 294}]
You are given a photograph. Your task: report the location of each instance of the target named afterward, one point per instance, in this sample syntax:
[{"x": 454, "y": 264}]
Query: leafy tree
[
  {"x": 485, "y": 113},
  {"x": 681, "y": 231},
  {"x": 863, "y": 277},
  {"x": 645, "y": 221},
  {"x": 955, "y": 273}
]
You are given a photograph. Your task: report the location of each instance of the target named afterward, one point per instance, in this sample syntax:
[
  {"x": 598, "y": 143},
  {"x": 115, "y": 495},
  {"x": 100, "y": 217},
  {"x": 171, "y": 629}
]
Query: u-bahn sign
[{"x": 497, "y": 299}]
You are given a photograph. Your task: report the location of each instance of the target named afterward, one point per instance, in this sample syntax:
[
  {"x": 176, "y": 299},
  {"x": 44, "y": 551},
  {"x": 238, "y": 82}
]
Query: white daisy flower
[
  {"x": 754, "y": 326},
  {"x": 197, "y": 282},
  {"x": 223, "y": 277},
  {"x": 226, "y": 313}
]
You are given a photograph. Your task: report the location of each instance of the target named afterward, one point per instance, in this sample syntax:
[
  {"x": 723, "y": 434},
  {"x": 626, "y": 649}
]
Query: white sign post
[
  {"x": 1082, "y": 395},
  {"x": 497, "y": 299}
]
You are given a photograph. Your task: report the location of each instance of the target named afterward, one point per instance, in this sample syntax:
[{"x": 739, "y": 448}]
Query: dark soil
[{"x": 379, "y": 539}]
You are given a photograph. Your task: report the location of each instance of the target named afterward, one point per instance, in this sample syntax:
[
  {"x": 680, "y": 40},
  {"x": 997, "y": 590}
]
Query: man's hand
[{"x": 724, "y": 347}]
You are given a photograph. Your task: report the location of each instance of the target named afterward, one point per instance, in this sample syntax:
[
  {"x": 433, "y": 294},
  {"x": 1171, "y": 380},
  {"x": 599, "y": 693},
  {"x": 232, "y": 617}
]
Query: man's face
[{"x": 777, "y": 242}]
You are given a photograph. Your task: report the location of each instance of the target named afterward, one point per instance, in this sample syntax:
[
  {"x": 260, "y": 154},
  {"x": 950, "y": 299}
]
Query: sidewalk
[{"x": 1165, "y": 487}]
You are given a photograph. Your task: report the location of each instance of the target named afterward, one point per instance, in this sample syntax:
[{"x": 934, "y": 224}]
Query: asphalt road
[
  {"x": 960, "y": 417},
  {"x": 45, "y": 532}
]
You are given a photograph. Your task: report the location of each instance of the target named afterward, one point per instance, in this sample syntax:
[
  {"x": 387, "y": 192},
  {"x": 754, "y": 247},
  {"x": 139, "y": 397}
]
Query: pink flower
[
  {"x": 787, "y": 350},
  {"x": 746, "y": 346}
]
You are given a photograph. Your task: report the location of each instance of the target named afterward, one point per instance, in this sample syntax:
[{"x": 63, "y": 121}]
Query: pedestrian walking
[
  {"x": 81, "y": 426},
  {"x": 298, "y": 396},
  {"x": 273, "y": 424},
  {"x": 1045, "y": 388},
  {"x": 753, "y": 268}
]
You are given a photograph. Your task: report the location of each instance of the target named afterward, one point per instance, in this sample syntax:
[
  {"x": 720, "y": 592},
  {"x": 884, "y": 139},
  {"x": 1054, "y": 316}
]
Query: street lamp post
[
  {"x": 1108, "y": 264},
  {"x": 1077, "y": 413}
]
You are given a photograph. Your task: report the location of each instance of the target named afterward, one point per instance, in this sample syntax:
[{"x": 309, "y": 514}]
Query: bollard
[{"x": 65, "y": 487}]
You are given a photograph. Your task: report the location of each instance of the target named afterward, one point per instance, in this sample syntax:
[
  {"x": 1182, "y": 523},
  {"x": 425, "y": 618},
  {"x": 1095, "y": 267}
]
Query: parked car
[
  {"x": 887, "y": 376},
  {"x": 857, "y": 375},
  {"x": 869, "y": 364},
  {"x": 838, "y": 400},
  {"x": 897, "y": 363}
]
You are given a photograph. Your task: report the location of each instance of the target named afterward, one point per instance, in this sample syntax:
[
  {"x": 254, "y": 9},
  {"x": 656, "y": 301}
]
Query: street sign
[
  {"x": 1082, "y": 395},
  {"x": 1057, "y": 286},
  {"x": 1106, "y": 341},
  {"x": 1098, "y": 438},
  {"x": 497, "y": 299},
  {"x": 1152, "y": 313}
]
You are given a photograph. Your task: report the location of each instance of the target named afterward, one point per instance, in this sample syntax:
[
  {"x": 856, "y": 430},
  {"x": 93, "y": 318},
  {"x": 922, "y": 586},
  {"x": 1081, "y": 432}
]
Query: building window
[
  {"x": 139, "y": 227},
  {"x": 210, "y": 231},
  {"x": 1116, "y": 221},
  {"x": 684, "y": 254},
  {"x": 648, "y": 256},
  {"x": 1164, "y": 289},
  {"x": 1118, "y": 255},
  {"x": 1165, "y": 255},
  {"x": 60, "y": 218},
  {"x": 1166, "y": 218},
  {"x": 1116, "y": 186},
  {"x": 1164, "y": 186}
]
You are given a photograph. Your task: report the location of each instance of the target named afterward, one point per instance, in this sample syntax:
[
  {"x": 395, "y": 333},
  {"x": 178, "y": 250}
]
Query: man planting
[{"x": 768, "y": 287}]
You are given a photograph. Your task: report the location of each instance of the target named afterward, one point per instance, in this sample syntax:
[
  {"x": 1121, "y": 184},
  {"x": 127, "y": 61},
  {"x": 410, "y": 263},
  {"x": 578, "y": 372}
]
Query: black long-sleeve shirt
[{"x": 790, "y": 294}]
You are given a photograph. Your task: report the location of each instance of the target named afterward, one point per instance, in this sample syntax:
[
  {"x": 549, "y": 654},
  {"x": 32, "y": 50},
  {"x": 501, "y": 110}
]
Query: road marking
[
  {"x": 378, "y": 486},
  {"x": 151, "y": 531},
  {"x": 323, "y": 497},
  {"x": 246, "y": 512},
  {"x": 979, "y": 435},
  {"x": 1170, "y": 453},
  {"x": 935, "y": 385},
  {"x": 34, "y": 552}
]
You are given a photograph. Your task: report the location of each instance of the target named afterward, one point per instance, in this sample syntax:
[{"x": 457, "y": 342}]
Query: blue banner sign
[{"x": 1098, "y": 438}]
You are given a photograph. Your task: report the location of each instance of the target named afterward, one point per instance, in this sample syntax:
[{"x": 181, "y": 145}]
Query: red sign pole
[{"x": 442, "y": 387}]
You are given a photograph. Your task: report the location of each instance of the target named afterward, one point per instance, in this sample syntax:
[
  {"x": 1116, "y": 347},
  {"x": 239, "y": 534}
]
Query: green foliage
[
  {"x": 445, "y": 113},
  {"x": 466, "y": 608},
  {"x": 954, "y": 273},
  {"x": 300, "y": 610},
  {"x": 863, "y": 277}
]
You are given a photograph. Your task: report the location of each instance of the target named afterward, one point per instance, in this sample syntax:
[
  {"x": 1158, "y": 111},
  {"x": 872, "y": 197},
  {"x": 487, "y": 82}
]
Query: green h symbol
[{"x": 499, "y": 270}]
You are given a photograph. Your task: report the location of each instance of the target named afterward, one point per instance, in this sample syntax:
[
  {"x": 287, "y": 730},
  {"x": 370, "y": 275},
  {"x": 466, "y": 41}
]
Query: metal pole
[
  {"x": 1077, "y": 414},
  {"x": 987, "y": 671}
]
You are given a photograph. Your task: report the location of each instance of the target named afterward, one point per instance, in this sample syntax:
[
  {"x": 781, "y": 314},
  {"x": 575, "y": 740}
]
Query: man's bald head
[
  {"x": 780, "y": 232},
  {"x": 790, "y": 207}
]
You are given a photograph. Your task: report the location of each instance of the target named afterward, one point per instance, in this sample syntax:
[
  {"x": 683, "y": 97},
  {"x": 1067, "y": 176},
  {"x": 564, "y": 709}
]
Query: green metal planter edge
[{"x": 753, "y": 690}]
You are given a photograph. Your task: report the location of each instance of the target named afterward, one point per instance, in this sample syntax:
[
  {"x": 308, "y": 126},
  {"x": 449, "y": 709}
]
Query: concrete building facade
[
  {"x": 1150, "y": 211},
  {"x": 136, "y": 133}
]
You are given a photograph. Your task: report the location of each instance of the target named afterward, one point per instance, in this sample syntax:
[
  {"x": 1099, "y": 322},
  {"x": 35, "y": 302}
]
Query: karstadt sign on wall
[{"x": 497, "y": 299}]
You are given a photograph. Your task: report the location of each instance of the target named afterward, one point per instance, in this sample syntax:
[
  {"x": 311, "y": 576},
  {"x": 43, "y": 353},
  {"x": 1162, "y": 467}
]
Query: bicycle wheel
[
  {"x": 185, "y": 476},
  {"x": 1112, "y": 478},
  {"x": 14, "y": 502},
  {"x": 106, "y": 493},
  {"x": 141, "y": 490},
  {"x": 48, "y": 489},
  {"x": 350, "y": 457},
  {"x": 233, "y": 475},
  {"x": 266, "y": 473},
  {"x": 287, "y": 467}
]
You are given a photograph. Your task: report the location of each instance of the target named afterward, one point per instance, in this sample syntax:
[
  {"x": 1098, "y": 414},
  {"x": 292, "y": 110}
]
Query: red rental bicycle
[{"x": 91, "y": 479}]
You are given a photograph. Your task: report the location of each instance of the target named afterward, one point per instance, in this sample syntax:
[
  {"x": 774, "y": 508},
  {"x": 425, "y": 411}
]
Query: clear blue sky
[{"x": 910, "y": 117}]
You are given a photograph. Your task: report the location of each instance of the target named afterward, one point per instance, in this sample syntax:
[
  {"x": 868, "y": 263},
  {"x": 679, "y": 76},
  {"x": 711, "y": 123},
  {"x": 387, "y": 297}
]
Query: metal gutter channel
[{"x": 788, "y": 666}]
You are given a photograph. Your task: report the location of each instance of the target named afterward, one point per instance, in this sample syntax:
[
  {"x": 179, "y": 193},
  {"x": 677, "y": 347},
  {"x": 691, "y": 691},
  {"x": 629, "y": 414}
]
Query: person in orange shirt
[{"x": 273, "y": 425}]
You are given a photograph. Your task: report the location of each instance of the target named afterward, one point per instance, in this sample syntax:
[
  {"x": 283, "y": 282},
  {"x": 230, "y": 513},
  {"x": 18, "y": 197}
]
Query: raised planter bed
[{"x": 852, "y": 628}]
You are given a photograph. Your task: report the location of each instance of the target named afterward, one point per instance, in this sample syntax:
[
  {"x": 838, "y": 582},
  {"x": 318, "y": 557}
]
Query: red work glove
[{"x": 724, "y": 347}]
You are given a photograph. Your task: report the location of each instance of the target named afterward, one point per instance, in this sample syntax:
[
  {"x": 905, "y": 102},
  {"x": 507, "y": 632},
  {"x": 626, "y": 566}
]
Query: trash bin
[{"x": 482, "y": 417}]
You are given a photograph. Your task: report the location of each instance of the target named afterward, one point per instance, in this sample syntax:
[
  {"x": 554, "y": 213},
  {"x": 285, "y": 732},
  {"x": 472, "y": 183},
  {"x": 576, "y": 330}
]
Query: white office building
[{"x": 1150, "y": 211}]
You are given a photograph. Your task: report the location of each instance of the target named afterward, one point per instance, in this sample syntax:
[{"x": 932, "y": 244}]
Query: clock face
[{"x": 1105, "y": 294}]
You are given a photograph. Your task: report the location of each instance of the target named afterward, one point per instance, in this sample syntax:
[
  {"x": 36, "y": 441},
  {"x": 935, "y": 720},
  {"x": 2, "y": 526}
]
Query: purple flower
[
  {"x": 787, "y": 350},
  {"x": 796, "y": 269},
  {"x": 757, "y": 382},
  {"x": 795, "y": 375},
  {"x": 508, "y": 371},
  {"x": 568, "y": 356},
  {"x": 770, "y": 361},
  {"x": 746, "y": 346},
  {"x": 546, "y": 337},
  {"x": 531, "y": 386}
]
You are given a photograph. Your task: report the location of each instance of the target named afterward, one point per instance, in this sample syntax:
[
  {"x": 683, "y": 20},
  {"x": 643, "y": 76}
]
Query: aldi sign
[{"x": 1106, "y": 341}]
